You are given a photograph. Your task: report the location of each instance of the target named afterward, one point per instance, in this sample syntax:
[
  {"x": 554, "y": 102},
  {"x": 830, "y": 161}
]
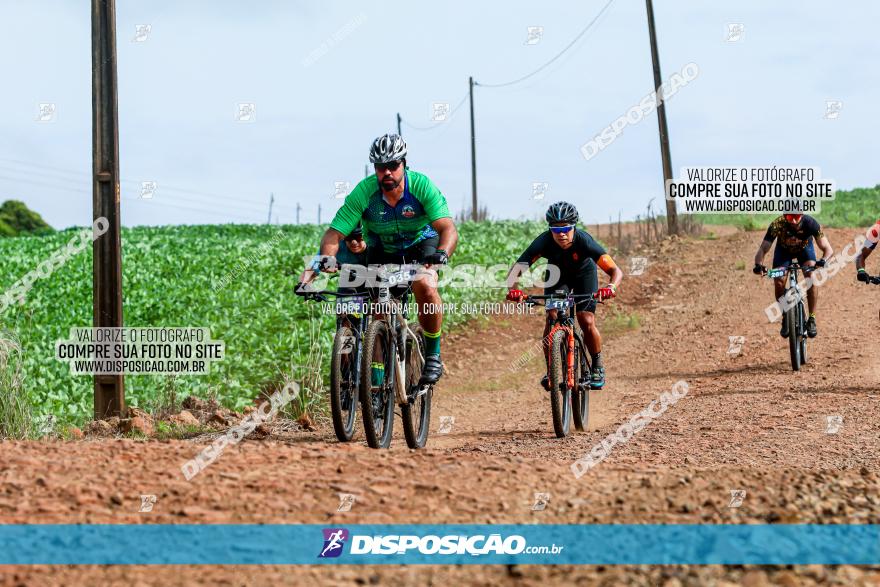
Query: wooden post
[{"x": 109, "y": 390}]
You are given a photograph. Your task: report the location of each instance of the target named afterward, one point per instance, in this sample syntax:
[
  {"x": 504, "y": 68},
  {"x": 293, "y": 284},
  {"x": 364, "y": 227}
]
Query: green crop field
[{"x": 236, "y": 280}]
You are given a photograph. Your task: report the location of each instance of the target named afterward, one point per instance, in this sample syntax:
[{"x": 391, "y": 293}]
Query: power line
[
  {"x": 85, "y": 178},
  {"x": 555, "y": 57},
  {"x": 214, "y": 212},
  {"x": 67, "y": 184}
]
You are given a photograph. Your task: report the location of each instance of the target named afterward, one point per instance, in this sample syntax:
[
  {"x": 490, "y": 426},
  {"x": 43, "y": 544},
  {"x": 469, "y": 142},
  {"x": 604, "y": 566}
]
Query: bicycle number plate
[
  {"x": 557, "y": 304},
  {"x": 776, "y": 272},
  {"x": 398, "y": 278}
]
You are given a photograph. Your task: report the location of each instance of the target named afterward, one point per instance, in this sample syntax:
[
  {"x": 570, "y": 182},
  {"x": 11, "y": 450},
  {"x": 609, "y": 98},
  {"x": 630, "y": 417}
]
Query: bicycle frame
[
  {"x": 564, "y": 321},
  {"x": 792, "y": 272},
  {"x": 400, "y": 332}
]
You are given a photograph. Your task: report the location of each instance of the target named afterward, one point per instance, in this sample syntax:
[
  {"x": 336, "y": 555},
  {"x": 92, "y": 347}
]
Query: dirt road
[{"x": 804, "y": 447}]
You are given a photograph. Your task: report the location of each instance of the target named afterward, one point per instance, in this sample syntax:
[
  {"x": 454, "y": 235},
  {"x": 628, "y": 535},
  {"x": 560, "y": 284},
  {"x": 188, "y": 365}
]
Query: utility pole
[
  {"x": 473, "y": 154},
  {"x": 366, "y": 170},
  {"x": 271, "y": 201},
  {"x": 319, "y": 213},
  {"x": 671, "y": 213},
  {"x": 298, "y": 207},
  {"x": 398, "y": 125},
  {"x": 109, "y": 390}
]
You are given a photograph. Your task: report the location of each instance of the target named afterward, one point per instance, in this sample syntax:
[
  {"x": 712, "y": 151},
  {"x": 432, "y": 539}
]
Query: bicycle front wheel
[
  {"x": 560, "y": 392},
  {"x": 344, "y": 379},
  {"x": 377, "y": 385},
  {"x": 416, "y": 414},
  {"x": 794, "y": 334},
  {"x": 803, "y": 330}
]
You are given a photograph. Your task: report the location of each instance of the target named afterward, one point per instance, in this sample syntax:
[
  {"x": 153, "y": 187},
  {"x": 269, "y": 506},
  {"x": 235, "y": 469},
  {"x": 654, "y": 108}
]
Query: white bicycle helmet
[{"x": 387, "y": 148}]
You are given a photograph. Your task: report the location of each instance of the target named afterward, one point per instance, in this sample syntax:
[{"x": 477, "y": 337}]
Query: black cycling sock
[{"x": 597, "y": 359}]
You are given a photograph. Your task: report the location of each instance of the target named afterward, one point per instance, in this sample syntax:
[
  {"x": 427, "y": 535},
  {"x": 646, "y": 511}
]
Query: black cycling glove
[{"x": 438, "y": 258}]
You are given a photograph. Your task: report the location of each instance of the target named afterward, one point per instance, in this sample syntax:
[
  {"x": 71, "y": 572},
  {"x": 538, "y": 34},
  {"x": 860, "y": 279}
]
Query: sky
[{"x": 326, "y": 78}]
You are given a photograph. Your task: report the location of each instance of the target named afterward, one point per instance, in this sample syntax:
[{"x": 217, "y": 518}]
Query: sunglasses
[
  {"x": 393, "y": 166},
  {"x": 561, "y": 229}
]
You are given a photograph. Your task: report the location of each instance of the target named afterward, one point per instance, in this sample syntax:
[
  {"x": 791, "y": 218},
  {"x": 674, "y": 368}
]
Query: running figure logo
[{"x": 334, "y": 540}]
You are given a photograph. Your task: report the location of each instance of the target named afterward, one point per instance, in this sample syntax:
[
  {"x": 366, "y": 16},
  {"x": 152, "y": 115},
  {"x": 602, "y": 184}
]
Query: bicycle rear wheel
[
  {"x": 794, "y": 343},
  {"x": 377, "y": 401},
  {"x": 560, "y": 392},
  {"x": 344, "y": 378},
  {"x": 580, "y": 395},
  {"x": 416, "y": 414}
]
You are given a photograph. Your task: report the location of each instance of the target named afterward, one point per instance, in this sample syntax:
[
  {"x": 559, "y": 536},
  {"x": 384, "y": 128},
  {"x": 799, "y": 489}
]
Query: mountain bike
[
  {"x": 352, "y": 323},
  {"x": 569, "y": 362},
  {"x": 394, "y": 354},
  {"x": 795, "y": 314}
]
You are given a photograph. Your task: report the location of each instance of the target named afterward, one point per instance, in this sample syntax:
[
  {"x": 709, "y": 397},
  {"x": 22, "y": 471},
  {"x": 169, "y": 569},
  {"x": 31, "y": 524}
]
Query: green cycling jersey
[{"x": 398, "y": 227}]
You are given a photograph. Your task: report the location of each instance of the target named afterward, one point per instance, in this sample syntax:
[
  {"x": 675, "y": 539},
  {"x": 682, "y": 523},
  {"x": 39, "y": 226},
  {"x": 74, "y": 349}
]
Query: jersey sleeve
[
  {"x": 348, "y": 216},
  {"x": 534, "y": 251},
  {"x": 590, "y": 248},
  {"x": 813, "y": 228},
  {"x": 432, "y": 200},
  {"x": 771, "y": 234}
]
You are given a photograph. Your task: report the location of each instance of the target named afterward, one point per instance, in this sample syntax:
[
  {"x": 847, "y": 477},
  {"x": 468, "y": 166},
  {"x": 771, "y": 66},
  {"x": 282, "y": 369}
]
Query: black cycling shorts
[
  {"x": 584, "y": 282},
  {"x": 376, "y": 255}
]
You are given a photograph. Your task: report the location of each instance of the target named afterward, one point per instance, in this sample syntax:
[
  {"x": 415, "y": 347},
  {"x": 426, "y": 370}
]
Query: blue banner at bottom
[{"x": 247, "y": 544}]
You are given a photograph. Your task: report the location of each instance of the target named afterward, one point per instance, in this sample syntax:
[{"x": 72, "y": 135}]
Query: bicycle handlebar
[{"x": 533, "y": 299}]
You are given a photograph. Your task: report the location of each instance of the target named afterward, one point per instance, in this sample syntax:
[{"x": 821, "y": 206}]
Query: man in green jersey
[{"x": 406, "y": 220}]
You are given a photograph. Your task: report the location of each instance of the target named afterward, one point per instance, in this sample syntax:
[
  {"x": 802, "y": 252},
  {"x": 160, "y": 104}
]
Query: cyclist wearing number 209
[
  {"x": 576, "y": 254},
  {"x": 406, "y": 220}
]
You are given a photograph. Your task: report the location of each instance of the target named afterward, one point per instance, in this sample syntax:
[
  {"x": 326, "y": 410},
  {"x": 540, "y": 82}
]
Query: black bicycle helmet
[
  {"x": 387, "y": 149},
  {"x": 562, "y": 212},
  {"x": 357, "y": 232}
]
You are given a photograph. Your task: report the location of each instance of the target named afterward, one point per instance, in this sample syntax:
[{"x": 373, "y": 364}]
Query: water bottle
[{"x": 377, "y": 374}]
